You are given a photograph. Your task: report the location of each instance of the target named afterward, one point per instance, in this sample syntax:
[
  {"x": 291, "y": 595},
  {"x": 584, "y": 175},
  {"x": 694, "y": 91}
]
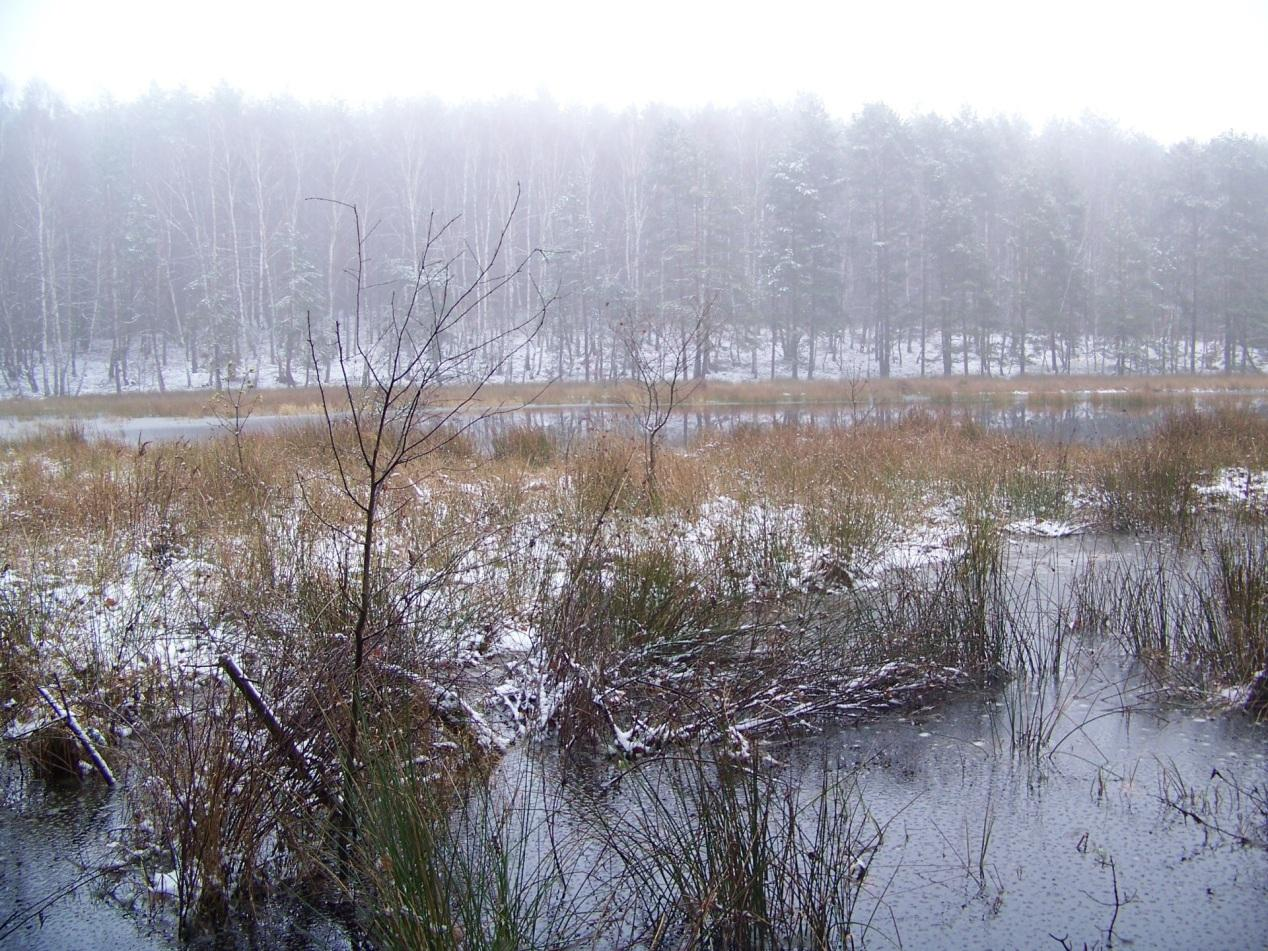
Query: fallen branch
[
  {"x": 67, "y": 717},
  {"x": 276, "y": 730}
]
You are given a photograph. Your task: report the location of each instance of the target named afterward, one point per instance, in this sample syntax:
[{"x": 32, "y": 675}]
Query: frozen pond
[
  {"x": 150, "y": 428},
  {"x": 983, "y": 849},
  {"x": 53, "y": 838}
]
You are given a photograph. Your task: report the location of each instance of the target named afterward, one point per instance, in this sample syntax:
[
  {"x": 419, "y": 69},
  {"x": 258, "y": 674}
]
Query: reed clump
[
  {"x": 723, "y": 853},
  {"x": 531, "y": 445},
  {"x": 1196, "y": 615},
  {"x": 451, "y": 863}
]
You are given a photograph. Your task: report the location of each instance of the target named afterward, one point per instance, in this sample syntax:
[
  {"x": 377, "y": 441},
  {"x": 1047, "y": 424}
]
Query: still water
[{"x": 1087, "y": 419}]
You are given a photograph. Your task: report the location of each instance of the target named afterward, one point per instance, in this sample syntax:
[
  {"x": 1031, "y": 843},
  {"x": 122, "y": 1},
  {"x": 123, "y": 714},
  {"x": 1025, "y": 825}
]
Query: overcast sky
[{"x": 1168, "y": 69}]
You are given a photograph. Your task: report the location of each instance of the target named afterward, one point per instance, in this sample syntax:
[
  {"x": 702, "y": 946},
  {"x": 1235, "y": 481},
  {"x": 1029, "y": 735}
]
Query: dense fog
[{"x": 173, "y": 240}]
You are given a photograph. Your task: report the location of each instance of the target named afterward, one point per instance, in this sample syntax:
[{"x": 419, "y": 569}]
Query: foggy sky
[{"x": 1171, "y": 70}]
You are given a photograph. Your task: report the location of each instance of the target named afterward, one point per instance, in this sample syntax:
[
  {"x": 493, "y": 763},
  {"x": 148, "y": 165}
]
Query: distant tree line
[{"x": 173, "y": 238}]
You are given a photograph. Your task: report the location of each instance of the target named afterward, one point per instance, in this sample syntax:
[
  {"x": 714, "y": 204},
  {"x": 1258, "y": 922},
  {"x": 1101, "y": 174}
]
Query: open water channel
[{"x": 1085, "y": 418}]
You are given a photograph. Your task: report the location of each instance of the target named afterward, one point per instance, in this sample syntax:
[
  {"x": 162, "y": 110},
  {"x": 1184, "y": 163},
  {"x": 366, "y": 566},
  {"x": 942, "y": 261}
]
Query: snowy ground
[{"x": 738, "y": 357}]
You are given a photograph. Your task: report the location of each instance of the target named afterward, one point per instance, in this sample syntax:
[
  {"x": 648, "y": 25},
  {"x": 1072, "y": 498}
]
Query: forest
[{"x": 181, "y": 241}]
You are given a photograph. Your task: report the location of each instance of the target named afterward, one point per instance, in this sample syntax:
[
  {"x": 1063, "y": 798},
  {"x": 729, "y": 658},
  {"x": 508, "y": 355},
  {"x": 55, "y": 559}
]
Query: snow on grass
[
  {"x": 1235, "y": 484},
  {"x": 1235, "y": 695},
  {"x": 916, "y": 547},
  {"x": 1045, "y": 528},
  {"x": 164, "y": 611},
  {"x": 480, "y": 577}
]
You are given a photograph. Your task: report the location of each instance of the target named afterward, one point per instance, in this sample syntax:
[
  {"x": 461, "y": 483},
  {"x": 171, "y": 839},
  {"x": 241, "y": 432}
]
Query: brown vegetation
[{"x": 1037, "y": 388}]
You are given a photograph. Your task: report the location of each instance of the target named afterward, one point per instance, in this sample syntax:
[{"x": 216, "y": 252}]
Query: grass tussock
[
  {"x": 1196, "y": 616},
  {"x": 458, "y": 864},
  {"x": 724, "y": 854}
]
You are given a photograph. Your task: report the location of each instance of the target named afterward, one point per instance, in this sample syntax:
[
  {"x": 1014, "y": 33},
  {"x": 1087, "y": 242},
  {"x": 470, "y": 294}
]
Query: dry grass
[{"x": 61, "y": 484}]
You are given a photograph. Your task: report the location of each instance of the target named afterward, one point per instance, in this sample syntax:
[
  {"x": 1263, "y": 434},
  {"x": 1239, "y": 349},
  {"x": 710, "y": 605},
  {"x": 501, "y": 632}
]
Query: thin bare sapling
[
  {"x": 381, "y": 406},
  {"x": 660, "y": 359}
]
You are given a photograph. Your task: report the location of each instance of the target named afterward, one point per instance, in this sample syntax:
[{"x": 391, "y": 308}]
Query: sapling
[{"x": 380, "y": 403}]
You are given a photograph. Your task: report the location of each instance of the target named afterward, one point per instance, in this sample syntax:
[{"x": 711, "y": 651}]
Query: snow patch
[
  {"x": 1044, "y": 528},
  {"x": 1235, "y": 484},
  {"x": 516, "y": 639},
  {"x": 165, "y": 883}
]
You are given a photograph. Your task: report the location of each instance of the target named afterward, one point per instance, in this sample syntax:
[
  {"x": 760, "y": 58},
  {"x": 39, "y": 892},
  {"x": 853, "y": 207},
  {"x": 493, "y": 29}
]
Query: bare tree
[
  {"x": 660, "y": 354},
  {"x": 379, "y": 401}
]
